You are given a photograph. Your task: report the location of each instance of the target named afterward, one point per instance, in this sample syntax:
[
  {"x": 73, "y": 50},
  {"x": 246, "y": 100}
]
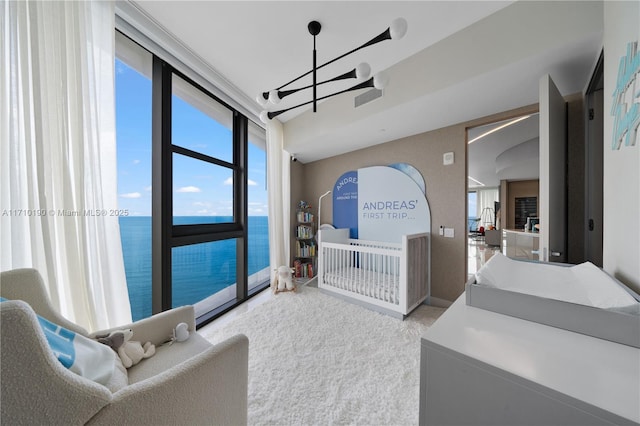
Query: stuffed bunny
[{"x": 130, "y": 351}]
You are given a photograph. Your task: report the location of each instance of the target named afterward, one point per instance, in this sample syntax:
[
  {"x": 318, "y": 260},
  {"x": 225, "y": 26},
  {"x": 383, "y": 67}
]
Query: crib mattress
[{"x": 374, "y": 284}]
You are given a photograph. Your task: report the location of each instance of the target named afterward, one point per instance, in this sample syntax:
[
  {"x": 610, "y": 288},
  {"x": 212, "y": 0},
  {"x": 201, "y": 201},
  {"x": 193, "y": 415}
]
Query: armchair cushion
[{"x": 167, "y": 356}]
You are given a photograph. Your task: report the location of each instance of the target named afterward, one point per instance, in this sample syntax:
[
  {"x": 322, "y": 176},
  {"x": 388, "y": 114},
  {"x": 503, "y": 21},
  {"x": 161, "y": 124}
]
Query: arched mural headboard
[{"x": 380, "y": 252}]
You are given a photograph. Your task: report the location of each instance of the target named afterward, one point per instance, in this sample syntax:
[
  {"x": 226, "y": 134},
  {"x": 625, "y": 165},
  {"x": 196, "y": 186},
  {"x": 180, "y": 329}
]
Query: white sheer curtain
[
  {"x": 58, "y": 162},
  {"x": 279, "y": 193},
  {"x": 486, "y": 206}
]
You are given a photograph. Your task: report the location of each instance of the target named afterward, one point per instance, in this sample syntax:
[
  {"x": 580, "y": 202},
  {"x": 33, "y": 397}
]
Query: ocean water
[{"x": 198, "y": 270}]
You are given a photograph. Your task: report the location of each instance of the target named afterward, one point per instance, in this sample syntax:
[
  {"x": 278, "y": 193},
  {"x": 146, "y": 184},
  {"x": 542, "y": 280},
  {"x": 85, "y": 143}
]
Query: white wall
[{"x": 621, "y": 247}]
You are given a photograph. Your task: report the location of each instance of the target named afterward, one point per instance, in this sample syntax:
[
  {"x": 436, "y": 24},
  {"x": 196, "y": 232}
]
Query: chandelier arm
[
  {"x": 363, "y": 85},
  {"x": 346, "y": 75},
  {"x": 272, "y": 114},
  {"x": 294, "y": 80},
  {"x": 349, "y": 74},
  {"x": 386, "y": 35}
]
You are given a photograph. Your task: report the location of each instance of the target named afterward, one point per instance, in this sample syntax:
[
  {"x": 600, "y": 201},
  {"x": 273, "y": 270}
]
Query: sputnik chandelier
[{"x": 396, "y": 31}]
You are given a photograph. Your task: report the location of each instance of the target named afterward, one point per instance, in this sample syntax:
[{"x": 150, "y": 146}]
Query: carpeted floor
[{"x": 317, "y": 360}]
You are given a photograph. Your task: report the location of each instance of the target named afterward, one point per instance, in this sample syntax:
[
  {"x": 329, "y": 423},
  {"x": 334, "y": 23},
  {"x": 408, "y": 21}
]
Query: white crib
[{"x": 389, "y": 277}]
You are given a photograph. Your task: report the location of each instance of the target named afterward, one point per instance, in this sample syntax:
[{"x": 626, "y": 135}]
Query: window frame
[{"x": 164, "y": 234}]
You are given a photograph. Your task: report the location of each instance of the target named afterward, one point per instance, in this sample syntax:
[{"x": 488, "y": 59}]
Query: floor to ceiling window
[
  {"x": 258, "y": 220},
  {"x": 133, "y": 136},
  {"x": 192, "y": 178},
  {"x": 472, "y": 212}
]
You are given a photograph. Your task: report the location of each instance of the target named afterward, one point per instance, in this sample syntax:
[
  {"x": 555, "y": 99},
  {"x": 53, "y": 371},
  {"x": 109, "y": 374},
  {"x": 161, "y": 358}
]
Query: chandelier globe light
[{"x": 398, "y": 28}]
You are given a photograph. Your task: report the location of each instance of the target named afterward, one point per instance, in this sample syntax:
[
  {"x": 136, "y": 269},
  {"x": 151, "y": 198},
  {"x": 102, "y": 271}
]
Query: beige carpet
[{"x": 317, "y": 360}]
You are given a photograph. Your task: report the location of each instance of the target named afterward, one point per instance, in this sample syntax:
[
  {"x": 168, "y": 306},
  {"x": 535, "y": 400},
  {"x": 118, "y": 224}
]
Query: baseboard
[
  {"x": 310, "y": 282},
  {"x": 313, "y": 282}
]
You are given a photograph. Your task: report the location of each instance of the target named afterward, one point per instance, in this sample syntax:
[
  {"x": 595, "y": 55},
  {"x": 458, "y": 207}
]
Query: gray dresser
[{"x": 483, "y": 368}]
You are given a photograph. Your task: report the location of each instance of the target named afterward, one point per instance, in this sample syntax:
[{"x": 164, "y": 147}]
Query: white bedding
[{"x": 584, "y": 284}]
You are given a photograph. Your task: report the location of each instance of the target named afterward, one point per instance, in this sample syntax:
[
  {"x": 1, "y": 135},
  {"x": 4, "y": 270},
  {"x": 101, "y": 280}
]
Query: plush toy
[
  {"x": 130, "y": 351},
  {"x": 284, "y": 280},
  {"x": 181, "y": 332}
]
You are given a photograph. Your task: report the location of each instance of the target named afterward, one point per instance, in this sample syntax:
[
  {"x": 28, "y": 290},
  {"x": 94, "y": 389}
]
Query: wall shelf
[{"x": 305, "y": 250}]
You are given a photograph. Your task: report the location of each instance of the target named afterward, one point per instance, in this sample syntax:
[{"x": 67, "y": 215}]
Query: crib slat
[
  {"x": 342, "y": 265},
  {"x": 373, "y": 285},
  {"x": 365, "y": 265},
  {"x": 388, "y": 278},
  {"x": 381, "y": 277}
]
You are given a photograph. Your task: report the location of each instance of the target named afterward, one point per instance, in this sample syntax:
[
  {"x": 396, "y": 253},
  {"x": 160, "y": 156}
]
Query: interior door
[
  {"x": 553, "y": 167},
  {"x": 594, "y": 178}
]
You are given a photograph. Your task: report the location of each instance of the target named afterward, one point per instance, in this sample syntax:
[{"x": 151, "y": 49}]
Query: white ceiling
[
  {"x": 510, "y": 153},
  {"x": 492, "y": 61}
]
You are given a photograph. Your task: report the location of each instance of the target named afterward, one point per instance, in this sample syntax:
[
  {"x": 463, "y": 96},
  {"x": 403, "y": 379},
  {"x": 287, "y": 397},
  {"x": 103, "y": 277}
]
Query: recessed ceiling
[
  {"x": 510, "y": 153},
  {"x": 477, "y": 58}
]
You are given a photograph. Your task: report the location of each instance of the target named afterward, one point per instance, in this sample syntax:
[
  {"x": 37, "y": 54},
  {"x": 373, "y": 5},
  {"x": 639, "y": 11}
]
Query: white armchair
[{"x": 191, "y": 382}]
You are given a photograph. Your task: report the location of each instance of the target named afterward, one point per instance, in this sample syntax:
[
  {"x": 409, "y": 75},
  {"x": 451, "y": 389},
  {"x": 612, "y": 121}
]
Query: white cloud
[
  {"x": 258, "y": 209},
  {"x": 131, "y": 195},
  {"x": 148, "y": 188},
  {"x": 229, "y": 181},
  {"x": 134, "y": 162},
  {"x": 189, "y": 189}
]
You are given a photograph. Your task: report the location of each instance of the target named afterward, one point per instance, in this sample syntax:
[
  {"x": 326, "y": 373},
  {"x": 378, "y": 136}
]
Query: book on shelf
[
  {"x": 306, "y": 248},
  {"x": 304, "y": 232},
  {"x": 303, "y": 269},
  {"x": 305, "y": 216}
]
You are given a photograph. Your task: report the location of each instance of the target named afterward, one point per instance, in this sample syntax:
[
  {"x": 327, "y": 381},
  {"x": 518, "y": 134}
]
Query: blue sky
[
  {"x": 199, "y": 188},
  {"x": 473, "y": 199}
]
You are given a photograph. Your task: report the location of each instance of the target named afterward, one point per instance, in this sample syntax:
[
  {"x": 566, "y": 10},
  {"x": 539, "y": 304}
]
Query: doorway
[
  {"x": 498, "y": 153},
  {"x": 594, "y": 165}
]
